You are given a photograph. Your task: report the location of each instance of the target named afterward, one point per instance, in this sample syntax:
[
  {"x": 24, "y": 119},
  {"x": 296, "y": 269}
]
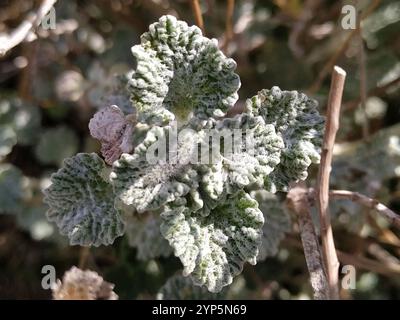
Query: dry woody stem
[
  {"x": 197, "y": 14},
  {"x": 369, "y": 203},
  {"x": 298, "y": 203},
  {"x": 332, "y": 125},
  {"x": 22, "y": 31}
]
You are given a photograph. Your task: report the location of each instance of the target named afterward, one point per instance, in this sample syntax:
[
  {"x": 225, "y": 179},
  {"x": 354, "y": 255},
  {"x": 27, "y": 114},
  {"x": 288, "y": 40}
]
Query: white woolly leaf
[
  {"x": 144, "y": 234},
  {"x": 250, "y": 156},
  {"x": 213, "y": 248},
  {"x": 179, "y": 72},
  {"x": 147, "y": 186},
  {"x": 179, "y": 287},
  {"x": 277, "y": 223},
  {"x": 81, "y": 202},
  {"x": 297, "y": 121},
  {"x": 114, "y": 131}
]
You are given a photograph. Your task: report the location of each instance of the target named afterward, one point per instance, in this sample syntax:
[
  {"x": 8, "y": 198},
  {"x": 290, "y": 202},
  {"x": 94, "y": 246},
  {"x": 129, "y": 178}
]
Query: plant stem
[
  {"x": 369, "y": 203},
  {"x": 22, "y": 31},
  {"x": 332, "y": 125},
  {"x": 229, "y": 22},
  {"x": 298, "y": 203},
  {"x": 197, "y": 14}
]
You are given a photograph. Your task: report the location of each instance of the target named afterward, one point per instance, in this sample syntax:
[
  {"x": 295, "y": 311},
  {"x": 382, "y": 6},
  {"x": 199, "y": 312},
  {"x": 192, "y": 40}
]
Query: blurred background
[{"x": 54, "y": 81}]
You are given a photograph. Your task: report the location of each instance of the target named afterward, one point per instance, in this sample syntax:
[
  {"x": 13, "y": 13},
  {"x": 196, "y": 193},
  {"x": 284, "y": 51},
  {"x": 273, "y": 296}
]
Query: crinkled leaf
[
  {"x": 146, "y": 185},
  {"x": 56, "y": 144},
  {"x": 179, "y": 287},
  {"x": 277, "y": 223},
  {"x": 144, "y": 234},
  {"x": 81, "y": 202},
  {"x": 213, "y": 248},
  {"x": 11, "y": 189},
  {"x": 179, "y": 71},
  {"x": 297, "y": 121},
  {"x": 114, "y": 131},
  {"x": 251, "y": 152}
]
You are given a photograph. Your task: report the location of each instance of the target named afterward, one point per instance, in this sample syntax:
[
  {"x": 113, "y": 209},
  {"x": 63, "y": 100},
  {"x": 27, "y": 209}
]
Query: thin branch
[
  {"x": 369, "y": 203},
  {"x": 229, "y": 22},
  {"x": 197, "y": 14},
  {"x": 331, "y": 62},
  {"x": 22, "y": 31},
  {"x": 331, "y": 127},
  {"x": 356, "y": 260},
  {"x": 298, "y": 203}
]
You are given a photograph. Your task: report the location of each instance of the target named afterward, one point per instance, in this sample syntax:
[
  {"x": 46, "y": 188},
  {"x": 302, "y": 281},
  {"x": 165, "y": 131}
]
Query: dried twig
[
  {"x": 229, "y": 22},
  {"x": 197, "y": 14},
  {"x": 332, "y": 125},
  {"x": 331, "y": 62},
  {"x": 298, "y": 203},
  {"x": 369, "y": 203},
  {"x": 357, "y": 261},
  {"x": 22, "y": 31}
]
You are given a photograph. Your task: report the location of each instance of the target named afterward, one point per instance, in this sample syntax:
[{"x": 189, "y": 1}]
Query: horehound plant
[{"x": 183, "y": 86}]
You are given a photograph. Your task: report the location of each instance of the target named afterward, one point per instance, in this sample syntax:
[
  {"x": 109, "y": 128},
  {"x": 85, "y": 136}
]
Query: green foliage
[
  {"x": 179, "y": 72},
  {"x": 194, "y": 174},
  {"x": 81, "y": 202},
  {"x": 297, "y": 121},
  {"x": 85, "y": 65},
  {"x": 213, "y": 248}
]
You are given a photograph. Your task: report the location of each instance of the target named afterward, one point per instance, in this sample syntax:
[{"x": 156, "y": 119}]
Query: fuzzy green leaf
[
  {"x": 148, "y": 186},
  {"x": 213, "y": 248},
  {"x": 179, "y": 72},
  {"x": 297, "y": 121},
  {"x": 251, "y": 150},
  {"x": 81, "y": 202}
]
